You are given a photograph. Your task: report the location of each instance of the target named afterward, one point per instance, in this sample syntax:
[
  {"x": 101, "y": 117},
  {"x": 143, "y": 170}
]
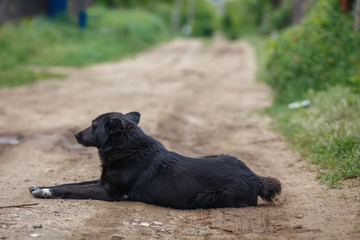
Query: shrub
[
  {"x": 243, "y": 17},
  {"x": 321, "y": 51},
  {"x": 206, "y": 19},
  {"x": 277, "y": 18}
]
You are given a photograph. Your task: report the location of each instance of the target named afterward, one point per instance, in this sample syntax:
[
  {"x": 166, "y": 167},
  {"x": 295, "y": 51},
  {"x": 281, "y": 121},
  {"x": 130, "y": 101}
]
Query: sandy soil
[{"x": 198, "y": 101}]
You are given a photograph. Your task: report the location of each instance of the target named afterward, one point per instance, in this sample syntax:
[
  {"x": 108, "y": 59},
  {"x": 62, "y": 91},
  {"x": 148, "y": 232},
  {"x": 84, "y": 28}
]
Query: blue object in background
[
  {"x": 56, "y": 6},
  {"x": 82, "y": 19}
]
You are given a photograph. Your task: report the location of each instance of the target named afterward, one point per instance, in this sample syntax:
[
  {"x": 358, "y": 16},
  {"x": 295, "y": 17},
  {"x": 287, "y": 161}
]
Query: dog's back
[{"x": 217, "y": 181}]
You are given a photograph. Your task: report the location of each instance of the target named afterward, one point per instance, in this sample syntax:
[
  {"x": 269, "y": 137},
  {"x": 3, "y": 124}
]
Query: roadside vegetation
[
  {"x": 200, "y": 15},
  {"x": 317, "y": 59},
  {"x": 243, "y": 17},
  {"x": 115, "y": 29},
  {"x": 110, "y": 34}
]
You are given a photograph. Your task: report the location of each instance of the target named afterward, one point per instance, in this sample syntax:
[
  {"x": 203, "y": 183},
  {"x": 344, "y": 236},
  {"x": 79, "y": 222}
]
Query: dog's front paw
[{"x": 40, "y": 192}]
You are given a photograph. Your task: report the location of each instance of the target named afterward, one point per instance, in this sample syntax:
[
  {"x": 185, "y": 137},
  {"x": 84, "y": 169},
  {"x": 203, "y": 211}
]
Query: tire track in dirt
[{"x": 198, "y": 101}]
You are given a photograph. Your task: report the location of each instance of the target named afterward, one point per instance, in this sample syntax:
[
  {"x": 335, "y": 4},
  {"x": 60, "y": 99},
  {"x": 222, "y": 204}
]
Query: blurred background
[
  {"x": 82, "y": 32},
  {"x": 307, "y": 50}
]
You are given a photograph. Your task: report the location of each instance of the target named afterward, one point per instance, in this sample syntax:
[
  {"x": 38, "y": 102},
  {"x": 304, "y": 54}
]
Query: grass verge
[
  {"x": 110, "y": 35},
  {"x": 327, "y": 133},
  {"x": 317, "y": 59}
]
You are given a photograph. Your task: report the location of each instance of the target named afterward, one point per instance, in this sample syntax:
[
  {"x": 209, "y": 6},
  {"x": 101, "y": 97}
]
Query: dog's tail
[{"x": 269, "y": 188}]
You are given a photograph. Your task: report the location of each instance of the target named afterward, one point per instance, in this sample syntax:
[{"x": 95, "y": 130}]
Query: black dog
[{"x": 136, "y": 167}]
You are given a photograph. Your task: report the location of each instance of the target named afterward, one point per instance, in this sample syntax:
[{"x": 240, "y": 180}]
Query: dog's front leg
[
  {"x": 82, "y": 183},
  {"x": 86, "y": 190}
]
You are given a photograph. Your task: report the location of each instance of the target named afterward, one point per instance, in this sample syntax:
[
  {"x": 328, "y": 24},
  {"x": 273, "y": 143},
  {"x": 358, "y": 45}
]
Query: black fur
[{"x": 137, "y": 167}]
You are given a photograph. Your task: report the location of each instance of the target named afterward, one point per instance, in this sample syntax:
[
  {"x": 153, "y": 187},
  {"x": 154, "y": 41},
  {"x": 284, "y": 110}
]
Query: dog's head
[{"x": 107, "y": 127}]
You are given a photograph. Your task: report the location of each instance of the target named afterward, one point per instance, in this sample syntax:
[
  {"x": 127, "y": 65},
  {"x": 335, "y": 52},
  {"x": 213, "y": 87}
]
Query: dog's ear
[
  {"x": 133, "y": 116},
  {"x": 114, "y": 125}
]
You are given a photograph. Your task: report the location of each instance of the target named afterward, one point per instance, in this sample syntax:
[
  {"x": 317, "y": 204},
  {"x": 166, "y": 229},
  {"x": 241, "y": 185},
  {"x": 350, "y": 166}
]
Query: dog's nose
[{"x": 77, "y": 136}]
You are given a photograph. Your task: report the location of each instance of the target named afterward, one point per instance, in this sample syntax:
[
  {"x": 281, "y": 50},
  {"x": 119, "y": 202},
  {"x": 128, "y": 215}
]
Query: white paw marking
[
  {"x": 40, "y": 192},
  {"x": 45, "y": 192}
]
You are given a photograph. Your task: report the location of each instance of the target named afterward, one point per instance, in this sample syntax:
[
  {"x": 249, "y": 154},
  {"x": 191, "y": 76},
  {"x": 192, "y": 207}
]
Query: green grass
[
  {"x": 317, "y": 59},
  {"x": 259, "y": 43},
  {"x": 110, "y": 35},
  {"x": 16, "y": 76},
  {"x": 327, "y": 133}
]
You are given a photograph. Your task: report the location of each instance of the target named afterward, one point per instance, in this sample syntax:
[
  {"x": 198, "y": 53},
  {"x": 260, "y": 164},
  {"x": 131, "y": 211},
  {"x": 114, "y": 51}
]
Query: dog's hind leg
[
  {"x": 211, "y": 198},
  {"x": 87, "y": 190},
  {"x": 219, "y": 197}
]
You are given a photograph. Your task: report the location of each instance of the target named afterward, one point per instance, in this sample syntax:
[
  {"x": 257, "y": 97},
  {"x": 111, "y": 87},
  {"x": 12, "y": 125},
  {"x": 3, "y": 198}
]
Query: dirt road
[{"x": 198, "y": 101}]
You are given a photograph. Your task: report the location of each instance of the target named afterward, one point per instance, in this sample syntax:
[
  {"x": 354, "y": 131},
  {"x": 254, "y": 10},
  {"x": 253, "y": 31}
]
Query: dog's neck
[{"x": 122, "y": 155}]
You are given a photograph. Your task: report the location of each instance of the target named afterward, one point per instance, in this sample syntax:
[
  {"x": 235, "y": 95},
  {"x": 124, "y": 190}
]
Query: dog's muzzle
[{"x": 78, "y": 137}]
